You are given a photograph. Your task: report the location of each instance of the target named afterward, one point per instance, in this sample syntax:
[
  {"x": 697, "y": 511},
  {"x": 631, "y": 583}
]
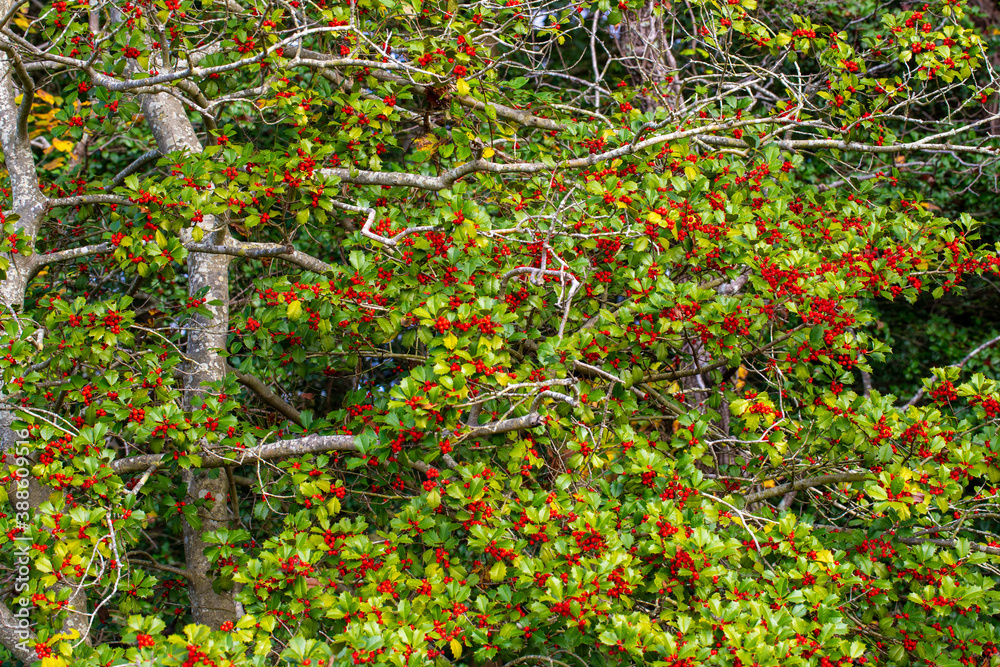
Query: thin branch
[
  {"x": 519, "y": 116},
  {"x": 158, "y": 566},
  {"x": 273, "y": 400},
  {"x": 913, "y": 540},
  {"x": 677, "y": 375},
  {"x": 142, "y": 480},
  {"x": 521, "y": 270},
  {"x": 135, "y": 166},
  {"x": 314, "y": 444},
  {"x": 118, "y": 86},
  {"x": 948, "y": 543}
]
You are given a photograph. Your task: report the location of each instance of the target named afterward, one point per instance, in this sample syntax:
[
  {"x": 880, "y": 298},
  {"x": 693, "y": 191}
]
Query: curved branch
[
  {"x": 481, "y": 165},
  {"x": 802, "y": 484},
  {"x": 119, "y": 86},
  {"x": 27, "y": 86},
  {"x": 521, "y": 270},
  {"x": 530, "y": 420},
  {"x": 9, "y": 14},
  {"x": 15, "y": 637},
  {"x": 314, "y": 444},
  {"x": 39, "y": 261},
  {"x": 135, "y": 166}
]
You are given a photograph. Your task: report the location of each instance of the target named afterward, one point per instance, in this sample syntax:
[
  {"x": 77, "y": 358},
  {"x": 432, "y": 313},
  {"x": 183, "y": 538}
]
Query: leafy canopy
[{"x": 545, "y": 328}]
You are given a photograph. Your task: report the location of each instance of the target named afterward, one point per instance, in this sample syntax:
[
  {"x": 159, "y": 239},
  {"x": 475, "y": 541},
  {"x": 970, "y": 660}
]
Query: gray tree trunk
[
  {"x": 206, "y": 337},
  {"x": 29, "y": 205}
]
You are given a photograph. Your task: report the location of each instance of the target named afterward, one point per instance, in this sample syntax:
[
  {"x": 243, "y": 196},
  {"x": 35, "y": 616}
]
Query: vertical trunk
[
  {"x": 643, "y": 42},
  {"x": 206, "y": 338},
  {"x": 28, "y": 204}
]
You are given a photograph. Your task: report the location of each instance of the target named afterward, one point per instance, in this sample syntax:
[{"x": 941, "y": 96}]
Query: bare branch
[
  {"x": 27, "y": 88},
  {"x": 135, "y": 166},
  {"x": 704, "y": 133},
  {"x": 530, "y": 420},
  {"x": 521, "y": 270},
  {"x": 15, "y": 636},
  {"x": 81, "y": 200},
  {"x": 184, "y": 574},
  {"x": 809, "y": 482},
  {"x": 273, "y": 400},
  {"x": 38, "y": 261},
  {"x": 310, "y": 444},
  {"x": 9, "y": 14},
  {"x": 256, "y": 250}
]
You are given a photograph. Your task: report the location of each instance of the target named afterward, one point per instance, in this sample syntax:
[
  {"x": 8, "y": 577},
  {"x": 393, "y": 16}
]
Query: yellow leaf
[
  {"x": 488, "y": 152},
  {"x": 498, "y": 572},
  {"x": 768, "y": 483},
  {"x": 450, "y": 341},
  {"x": 54, "y": 164},
  {"x": 456, "y": 649},
  {"x": 53, "y": 661},
  {"x": 44, "y": 96},
  {"x": 294, "y": 310},
  {"x": 824, "y": 556},
  {"x": 63, "y": 146},
  {"x": 426, "y": 144},
  {"x": 741, "y": 377},
  {"x": 462, "y": 87}
]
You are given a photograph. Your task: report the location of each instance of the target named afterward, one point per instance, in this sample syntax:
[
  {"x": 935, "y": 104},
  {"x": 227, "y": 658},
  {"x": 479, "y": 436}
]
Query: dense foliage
[{"x": 405, "y": 332}]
